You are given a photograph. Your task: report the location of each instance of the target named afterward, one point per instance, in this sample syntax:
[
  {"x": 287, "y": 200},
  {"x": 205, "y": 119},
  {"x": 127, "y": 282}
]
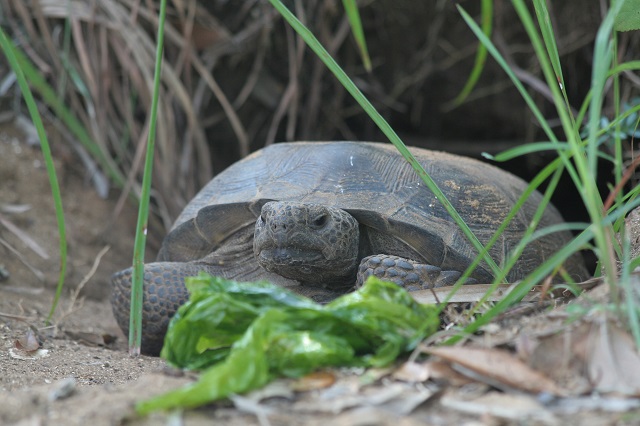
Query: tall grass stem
[
  {"x": 346, "y": 82},
  {"x": 10, "y": 52},
  {"x": 135, "y": 320}
]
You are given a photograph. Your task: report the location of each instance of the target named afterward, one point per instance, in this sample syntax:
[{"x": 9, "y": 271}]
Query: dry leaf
[
  {"x": 562, "y": 354},
  {"x": 613, "y": 362},
  {"x": 28, "y": 342},
  {"x": 412, "y": 372},
  {"x": 497, "y": 367},
  {"x": 441, "y": 370},
  {"x": 593, "y": 356},
  {"x": 313, "y": 381}
]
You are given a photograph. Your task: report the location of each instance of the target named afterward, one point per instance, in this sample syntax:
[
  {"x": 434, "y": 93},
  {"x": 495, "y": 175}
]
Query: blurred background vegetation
[{"x": 236, "y": 78}]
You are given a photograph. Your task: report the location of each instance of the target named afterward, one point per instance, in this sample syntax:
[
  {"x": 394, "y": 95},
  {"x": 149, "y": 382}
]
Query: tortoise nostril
[{"x": 275, "y": 226}]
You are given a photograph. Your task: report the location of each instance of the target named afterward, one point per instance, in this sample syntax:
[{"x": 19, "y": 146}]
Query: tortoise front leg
[
  {"x": 407, "y": 273},
  {"x": 164, "y": 292}
]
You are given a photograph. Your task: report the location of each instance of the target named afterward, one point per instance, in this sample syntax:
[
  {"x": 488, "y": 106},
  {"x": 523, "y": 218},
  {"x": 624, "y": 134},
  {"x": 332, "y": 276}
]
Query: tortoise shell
[{"x": 376, "y": 185}]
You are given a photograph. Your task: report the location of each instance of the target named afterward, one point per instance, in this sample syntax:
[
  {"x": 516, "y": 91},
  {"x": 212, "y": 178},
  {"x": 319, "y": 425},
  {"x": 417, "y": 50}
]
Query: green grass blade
[
  {"x": 529, "y": 233},
  {"x": 615, "y": 70},
  {"x": 585, "y": 165},
  {"x": 525, "y": 149},
  {"x": 10, "y": 52},
  {"x": 549, "y": 38},
  {"x": 351, "y": 7},
  {"x": 525, "y": 286},
  {"x": 135, "y": 321},
  {"x": 619, "y": 149},
  {"x": 523, "y": 92},
  {"x": 53, "y": 101},
  {"x": 602, "y": 58},
  {"x": 550, "y": 75},
  {"x": 547, "y": 267},
  {"x": 517, "y": 83},
  {"x": 517, "y": 207},
  {"x": 517, "y": 251},
  {"x": 626, "y": 66},
  {"x": 628, "y": 18},
  {"x": 481, "y": 54},
  {"x": 315, "y": 45}
]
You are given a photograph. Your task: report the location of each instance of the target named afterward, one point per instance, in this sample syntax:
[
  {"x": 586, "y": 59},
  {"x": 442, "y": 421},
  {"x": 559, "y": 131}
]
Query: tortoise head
[{"x": 310, "y": 243}]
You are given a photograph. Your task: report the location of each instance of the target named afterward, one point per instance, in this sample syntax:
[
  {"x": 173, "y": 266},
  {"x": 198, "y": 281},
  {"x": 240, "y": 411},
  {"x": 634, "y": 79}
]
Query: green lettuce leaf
[{"x": 245, "y": 334}]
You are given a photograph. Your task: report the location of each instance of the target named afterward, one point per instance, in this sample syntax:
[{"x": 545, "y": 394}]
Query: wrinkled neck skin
[{"x": 310, "y": 243}]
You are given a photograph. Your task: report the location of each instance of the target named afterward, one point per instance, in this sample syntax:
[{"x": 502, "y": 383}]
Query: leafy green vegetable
[
  {"x": 628, "y": 18},
  {"x": 247, "y": 334}
]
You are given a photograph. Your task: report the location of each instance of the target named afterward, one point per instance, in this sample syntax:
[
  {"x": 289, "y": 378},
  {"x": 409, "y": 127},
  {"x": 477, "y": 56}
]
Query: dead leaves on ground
[
  {"x": 593, "y": 356},
  {"x": 589, "y": 365},
  {"x": 546, "y": 368},
  {"x": 352, "y": 392}
]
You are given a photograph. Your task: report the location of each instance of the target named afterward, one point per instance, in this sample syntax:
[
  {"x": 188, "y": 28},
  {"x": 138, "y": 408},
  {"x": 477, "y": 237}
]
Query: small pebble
[{"x": 63, "y": 389}]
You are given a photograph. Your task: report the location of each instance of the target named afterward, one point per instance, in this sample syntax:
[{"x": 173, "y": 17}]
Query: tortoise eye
[{"x": 320, "y": 220}]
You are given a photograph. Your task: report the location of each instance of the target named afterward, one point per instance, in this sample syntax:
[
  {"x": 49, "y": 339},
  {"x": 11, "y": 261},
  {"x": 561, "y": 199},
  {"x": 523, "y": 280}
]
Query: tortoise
[{"x": 319, "y": 217}]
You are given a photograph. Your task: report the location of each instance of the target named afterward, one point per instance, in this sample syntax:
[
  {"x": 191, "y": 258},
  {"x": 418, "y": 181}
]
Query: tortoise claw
[{"x": 408, "y": 274}]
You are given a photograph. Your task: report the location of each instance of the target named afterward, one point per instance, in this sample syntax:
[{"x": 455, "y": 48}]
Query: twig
[
  {"x": 20, "y": 257},
  {"x": 85, "y": 280},
  {"x": 26, "y": 239},
  {"x": 16, "y": 317}
]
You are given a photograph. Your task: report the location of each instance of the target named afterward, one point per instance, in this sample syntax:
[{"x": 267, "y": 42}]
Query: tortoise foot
[{"x": 406, "y": 273}]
